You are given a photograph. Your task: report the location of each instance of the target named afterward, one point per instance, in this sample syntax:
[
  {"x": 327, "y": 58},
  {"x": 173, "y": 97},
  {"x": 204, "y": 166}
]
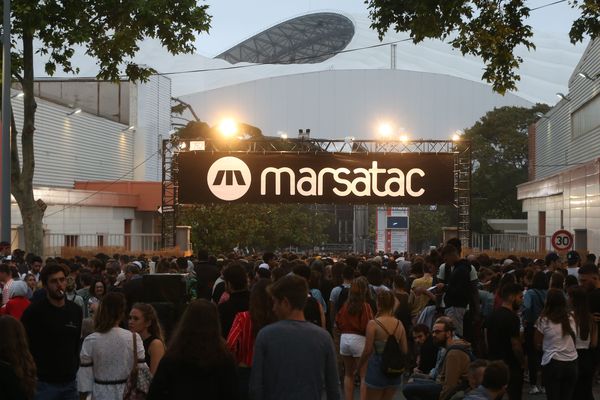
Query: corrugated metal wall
[
  {"x": 152, "y": 122},
  {"x": 556, "y": 147},
  {"x": 76, "y": 147}
]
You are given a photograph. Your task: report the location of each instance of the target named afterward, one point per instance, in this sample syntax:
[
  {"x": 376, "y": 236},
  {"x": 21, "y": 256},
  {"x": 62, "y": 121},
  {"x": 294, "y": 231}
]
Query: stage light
[
  {"x": 228, "y": 127},
  {"x": 404, "y": 138},
  {"x": 18, "y": 95},
  {"x": 563, "y": 97},
  {"x": 283, "y": 135},
  {"x": 349, "y": 139},
  {"x": 385, "y": 130},
  {"x": 74, "y": 112}
]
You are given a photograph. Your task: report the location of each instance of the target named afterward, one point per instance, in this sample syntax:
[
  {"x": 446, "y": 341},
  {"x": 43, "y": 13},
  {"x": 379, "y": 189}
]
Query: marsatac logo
[{"x": 229, "y": 178}]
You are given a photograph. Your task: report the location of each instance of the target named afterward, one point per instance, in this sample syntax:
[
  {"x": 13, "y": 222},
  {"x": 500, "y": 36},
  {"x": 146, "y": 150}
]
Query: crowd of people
[{"x": 284, "y": 326}]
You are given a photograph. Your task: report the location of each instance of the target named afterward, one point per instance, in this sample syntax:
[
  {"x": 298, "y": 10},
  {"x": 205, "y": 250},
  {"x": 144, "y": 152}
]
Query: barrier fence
[
  {"x": 510, "y": 242},
  {"x": 58, "y": 244}
]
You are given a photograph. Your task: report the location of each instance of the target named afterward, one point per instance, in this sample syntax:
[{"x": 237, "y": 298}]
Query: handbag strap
[{"x": 135, "y": 359}]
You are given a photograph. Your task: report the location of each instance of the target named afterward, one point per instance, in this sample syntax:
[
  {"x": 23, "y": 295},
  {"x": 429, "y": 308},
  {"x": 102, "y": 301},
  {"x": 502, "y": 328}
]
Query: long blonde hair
[
  {"x": 149, "y": 314},
  {"x": 357, "y": 295}
]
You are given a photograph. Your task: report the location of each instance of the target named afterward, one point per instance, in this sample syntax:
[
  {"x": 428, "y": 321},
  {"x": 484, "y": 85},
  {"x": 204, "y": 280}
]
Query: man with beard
[
  {"x": 503, "y": 336},
  {"x": 53, "y": 326},
  {"x": 453, "y": 367}
]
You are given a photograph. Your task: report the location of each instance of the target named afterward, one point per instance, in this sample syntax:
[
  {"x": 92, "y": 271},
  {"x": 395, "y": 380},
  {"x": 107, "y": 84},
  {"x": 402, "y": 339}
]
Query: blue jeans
[
  {"x": 56, "y": 391},
  {"x": 422, "y": 390}
]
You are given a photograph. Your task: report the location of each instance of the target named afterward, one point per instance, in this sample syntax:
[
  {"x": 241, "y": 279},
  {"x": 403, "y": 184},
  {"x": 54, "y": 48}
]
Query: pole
[{"x": 6, "y": 109}]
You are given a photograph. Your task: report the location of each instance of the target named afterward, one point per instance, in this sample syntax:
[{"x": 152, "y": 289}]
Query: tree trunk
[{"x": 22, "y": 173}]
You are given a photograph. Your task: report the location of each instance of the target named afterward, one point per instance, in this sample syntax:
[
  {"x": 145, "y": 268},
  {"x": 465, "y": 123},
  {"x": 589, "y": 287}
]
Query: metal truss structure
[
  {"x": 170, "y": 202},
  {"x": 461, "y": 150},
  {"x": 307, "y": 39}
]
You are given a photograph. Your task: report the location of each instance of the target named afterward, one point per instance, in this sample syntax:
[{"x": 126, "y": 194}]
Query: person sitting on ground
[
  {"x": 474, "y": 379},
  {"x": 453, "y": 367},
  {"x": 493, "y": 386},
  {"x": 427, "y": 351}
]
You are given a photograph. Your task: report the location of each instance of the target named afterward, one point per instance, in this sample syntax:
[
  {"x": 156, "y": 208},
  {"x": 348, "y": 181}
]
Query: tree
[
  {"x": 425, "y": 226},
  {"x": 499, "y": 145},
  {"x": 222, "y": 227},
  {"x": 109, "y": 32},
  {"x": 491, "y": 30}
]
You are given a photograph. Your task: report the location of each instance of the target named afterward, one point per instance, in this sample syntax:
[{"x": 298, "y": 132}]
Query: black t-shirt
[
  {"x": 427, "y": 355},
  {"x": 54, "y": 334},
  {"x": 206, "y": 275},
  {"x": 238, "y": 302},
  {"x": 502, "y": 325},
  {"x": 312, "y": 312}
]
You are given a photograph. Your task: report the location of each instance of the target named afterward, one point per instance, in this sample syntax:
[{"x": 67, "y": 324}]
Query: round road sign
[{"x": 562, "y": 240}]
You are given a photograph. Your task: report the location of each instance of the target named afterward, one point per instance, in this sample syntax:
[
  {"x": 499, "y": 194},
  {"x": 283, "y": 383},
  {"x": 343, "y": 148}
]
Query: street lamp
[
  {"x": 228, "y": 127},
  {"x": 385, "y": 130}
]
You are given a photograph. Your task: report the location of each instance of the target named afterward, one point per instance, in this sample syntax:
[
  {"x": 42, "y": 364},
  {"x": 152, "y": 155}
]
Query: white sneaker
[{"x": 534, "y": 390}]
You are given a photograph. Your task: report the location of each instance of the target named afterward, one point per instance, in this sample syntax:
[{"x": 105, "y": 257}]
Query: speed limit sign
[{"x": 562, "y": 240}]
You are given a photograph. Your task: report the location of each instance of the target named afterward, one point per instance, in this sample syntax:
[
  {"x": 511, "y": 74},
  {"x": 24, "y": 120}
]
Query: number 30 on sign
[{"x": 562, "y": 240}]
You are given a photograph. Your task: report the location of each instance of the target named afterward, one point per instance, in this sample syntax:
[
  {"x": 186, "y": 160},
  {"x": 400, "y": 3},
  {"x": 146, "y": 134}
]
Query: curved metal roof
[{"x": 307, "y": 39}]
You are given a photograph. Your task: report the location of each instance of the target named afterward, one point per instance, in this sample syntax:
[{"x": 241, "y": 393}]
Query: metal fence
[
  {"x": 56, "y": 243},
  {"x": 510, "y": 242}
]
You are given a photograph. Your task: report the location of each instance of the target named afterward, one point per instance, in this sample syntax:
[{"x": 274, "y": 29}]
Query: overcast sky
[{"x": 235, "y": 20}]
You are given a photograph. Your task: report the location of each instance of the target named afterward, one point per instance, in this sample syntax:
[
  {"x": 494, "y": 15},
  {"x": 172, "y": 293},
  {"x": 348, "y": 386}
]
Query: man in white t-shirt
[{"x": 573, "y": 263}]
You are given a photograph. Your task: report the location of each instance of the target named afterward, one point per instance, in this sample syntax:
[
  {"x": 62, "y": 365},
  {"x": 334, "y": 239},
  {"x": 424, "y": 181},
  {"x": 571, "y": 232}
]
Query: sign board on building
[
  {"x": 562, "y": 240},
  {"x": 359, "y": 178}
]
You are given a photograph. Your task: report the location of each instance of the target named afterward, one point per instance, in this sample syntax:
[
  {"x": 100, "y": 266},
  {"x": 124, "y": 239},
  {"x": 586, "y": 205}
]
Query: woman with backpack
[
  {"x": 385, "y": 349},
  {"x": 352, "y": 320}
]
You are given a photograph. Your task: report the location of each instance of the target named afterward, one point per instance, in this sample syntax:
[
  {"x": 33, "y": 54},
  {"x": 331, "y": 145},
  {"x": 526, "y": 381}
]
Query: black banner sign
[{"x": 358, "y": 178}]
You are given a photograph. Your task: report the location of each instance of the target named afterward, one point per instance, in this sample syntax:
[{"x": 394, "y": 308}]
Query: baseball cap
[{"x": 573, "y": 256}]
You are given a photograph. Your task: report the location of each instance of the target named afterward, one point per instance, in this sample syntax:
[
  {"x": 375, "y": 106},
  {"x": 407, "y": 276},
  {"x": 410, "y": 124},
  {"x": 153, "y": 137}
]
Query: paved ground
[{"x": 526, "y": 396}]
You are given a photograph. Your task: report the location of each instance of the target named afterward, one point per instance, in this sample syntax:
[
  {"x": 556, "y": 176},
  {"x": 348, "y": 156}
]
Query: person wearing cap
[{"x": 573, "y": 263}]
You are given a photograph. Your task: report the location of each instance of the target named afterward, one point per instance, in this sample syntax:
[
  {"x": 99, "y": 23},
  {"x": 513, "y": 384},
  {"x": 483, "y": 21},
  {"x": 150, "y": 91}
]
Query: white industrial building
[
  {"x": 98, "y": 160},
  {"x": 564, "y": 187}
]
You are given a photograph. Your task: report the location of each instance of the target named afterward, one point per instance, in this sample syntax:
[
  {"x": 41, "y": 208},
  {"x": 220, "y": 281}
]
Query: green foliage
[
  {"x": 491, "y": 30},
  {"x": 499, "y": 145},
  {"x": 110, "y": 32},
  {"x": 221, "y": 227},
  {"x": 425, "y": 226}
]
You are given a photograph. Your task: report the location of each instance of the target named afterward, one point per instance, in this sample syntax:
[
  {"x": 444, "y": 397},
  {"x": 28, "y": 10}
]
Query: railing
[
  {"x": 510, "y": 242},
  {"x": 56, "y": 243}
]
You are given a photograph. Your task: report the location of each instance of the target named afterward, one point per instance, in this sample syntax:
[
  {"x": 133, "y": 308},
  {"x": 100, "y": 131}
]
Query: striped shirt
[{"x": 240, "y": 339}]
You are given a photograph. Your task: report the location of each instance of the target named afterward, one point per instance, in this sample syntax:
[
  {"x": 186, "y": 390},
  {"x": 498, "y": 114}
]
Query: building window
[
  {"x": 586, "y": 118},
  {"x": 71, "y": 240}
]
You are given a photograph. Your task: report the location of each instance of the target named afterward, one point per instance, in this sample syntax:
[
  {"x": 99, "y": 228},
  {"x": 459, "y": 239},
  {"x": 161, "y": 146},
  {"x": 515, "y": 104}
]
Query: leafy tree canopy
[
  {"x": 499, "y": 145},
  {"x": 221, "y": 227},
  {"x": 491, "y": 30}
]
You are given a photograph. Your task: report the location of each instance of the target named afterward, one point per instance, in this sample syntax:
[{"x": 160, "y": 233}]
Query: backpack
[
  {"x": 312, "y": 313},
  {"x": 457, "y": 284},
  {"x": 341, "y": 300},
  {"x": 393, "y": 359}
]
